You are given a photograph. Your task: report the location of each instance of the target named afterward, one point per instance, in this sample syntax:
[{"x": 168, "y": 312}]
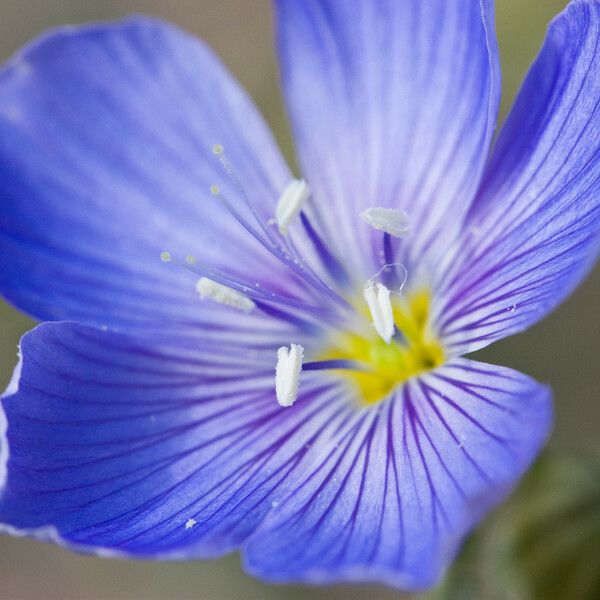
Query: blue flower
[{"x": 147, "y": 421}]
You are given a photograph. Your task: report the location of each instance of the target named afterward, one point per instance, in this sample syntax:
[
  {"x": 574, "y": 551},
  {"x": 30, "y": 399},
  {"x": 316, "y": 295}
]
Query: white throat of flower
[
  {"x": 287, "y": 373},
  {"x": 291, "y": 201},
  {"x": 380, "y": 307},
  {"x": 389, "y": 220},
  {"x": 217, "y": 292}
]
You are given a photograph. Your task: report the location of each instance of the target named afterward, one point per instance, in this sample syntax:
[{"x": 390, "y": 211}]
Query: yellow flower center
[{"x": 386, "y": 366}]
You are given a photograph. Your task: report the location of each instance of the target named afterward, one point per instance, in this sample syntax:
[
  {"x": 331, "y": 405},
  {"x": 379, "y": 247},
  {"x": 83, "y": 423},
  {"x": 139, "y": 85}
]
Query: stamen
[
  {"x": 246, "y": 289},
  {"x": 332, "y": 264},
  {"x": 287, "y": 373},
  {"x": 391, "y": 220},
  {"x": 207, "y": 288},
  {"x": 333, "y": 364},
  {"x": 266, "y": 236},
  {"x": 219, "y": 151},
  {"x": 290, "y": 203},
  {"x": 380, "y": 307}
]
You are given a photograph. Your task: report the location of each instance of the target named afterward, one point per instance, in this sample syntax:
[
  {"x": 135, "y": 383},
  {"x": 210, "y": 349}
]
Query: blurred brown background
[{"x": 563, "y": 350}]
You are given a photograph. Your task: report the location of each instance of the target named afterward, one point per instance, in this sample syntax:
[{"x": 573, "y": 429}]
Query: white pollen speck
[
  {"x": 165, "y": 256},
  {"x": 190, "y": 523},
  {"x": 218, "y": 149},
  {"x": 380, "y": 307},
  {"x": 391, "y": 220},
  {"x": 217, "y": 292},
  {"x": 287, "y": 373},
  {"x": 290, "y": 203}
]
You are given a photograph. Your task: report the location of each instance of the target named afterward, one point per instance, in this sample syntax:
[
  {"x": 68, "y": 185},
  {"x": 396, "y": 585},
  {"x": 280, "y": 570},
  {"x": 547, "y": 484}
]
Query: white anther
[
  {"x": 290, "y": 203},
  {"x": 391, "y": 220},
  {"x": 287, "y": 373},
  {"x": 217, "y": 292},
  {"x": 380, "y": 306}
]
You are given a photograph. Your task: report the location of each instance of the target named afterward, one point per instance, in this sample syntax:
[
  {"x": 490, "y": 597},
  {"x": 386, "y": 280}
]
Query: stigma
[
  {"x": 378, "y": 300},
  {"x": 287, "y": 373},
  {"x": 389, "y": 220},
  {"x": 290, "y": 203},
  {"x": 217, "y": 292}
]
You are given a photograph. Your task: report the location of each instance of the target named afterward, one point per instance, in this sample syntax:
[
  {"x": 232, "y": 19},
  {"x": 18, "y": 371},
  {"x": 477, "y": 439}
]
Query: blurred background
[{"x": 563, "y": 350}]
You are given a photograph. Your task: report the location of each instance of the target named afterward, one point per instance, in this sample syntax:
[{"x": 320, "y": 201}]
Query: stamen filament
[
  {"x": 259, "y": 295},
  {"x": 228, "y": 168},
  {"x": 215, "y": 190},
  {"x": 275, "y": 250},
  {"x": 324, "y": 365},
  {"x": 270, "y": 242},
  {"x": 331, "y": 263}
]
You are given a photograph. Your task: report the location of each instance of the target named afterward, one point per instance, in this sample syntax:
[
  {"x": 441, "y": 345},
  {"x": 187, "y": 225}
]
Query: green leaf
[
  {"x": 543, "y": 544},
  {"x": 553, "y": 531}
]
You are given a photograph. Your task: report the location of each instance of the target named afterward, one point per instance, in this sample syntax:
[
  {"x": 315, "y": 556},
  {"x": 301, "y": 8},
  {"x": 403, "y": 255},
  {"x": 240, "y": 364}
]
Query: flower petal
[
  {"x": 393, "y": 104},
  {"x": 115, "y": 446},
  {"x": 402, "y": 484},
  {"x": 106, "y": 138},
  {"x": 533, "y": 232}
]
